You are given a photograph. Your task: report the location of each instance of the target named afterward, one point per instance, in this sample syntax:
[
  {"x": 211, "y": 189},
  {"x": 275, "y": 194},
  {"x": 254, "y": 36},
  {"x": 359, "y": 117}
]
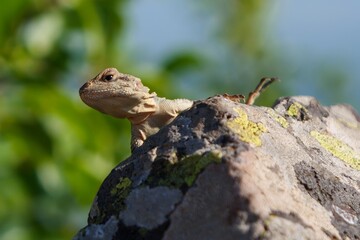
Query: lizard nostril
[{"x": 83, "y": 87}]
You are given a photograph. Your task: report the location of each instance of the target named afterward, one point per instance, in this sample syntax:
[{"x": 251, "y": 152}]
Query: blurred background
[{"x": 55, "y": 151}]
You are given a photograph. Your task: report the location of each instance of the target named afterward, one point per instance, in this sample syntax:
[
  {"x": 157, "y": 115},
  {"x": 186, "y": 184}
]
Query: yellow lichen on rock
[
  {"x": 337, "y": 148},
  {"x": 247, "y": 130},
  {"x": 295, "y": 108},
  {"x": 280, "y": 119},
  {"x": 349, "y": 124}
]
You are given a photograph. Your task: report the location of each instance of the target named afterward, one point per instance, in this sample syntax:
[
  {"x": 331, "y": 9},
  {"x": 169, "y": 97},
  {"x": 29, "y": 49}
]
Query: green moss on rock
[
  {"x": 120, "y": 192},
  {"x": 122, "y": 187},
  {"x": 181, "y": 173}
]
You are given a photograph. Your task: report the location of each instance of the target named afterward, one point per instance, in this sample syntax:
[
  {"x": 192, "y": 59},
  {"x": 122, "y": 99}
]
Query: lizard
[{"x": 124, "y": 96}]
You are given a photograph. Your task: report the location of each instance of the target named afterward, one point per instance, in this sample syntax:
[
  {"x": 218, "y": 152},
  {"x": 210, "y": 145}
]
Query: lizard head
[
  {"x": 116, "y": 94},
  {"x": 112, "y": 83}
]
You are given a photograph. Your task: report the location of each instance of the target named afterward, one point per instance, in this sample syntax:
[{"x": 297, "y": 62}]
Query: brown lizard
[{"x": 124, "y": 96}]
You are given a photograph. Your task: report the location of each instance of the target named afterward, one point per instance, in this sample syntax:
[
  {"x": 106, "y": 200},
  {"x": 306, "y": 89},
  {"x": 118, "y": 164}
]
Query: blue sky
[
  {"x": 319, "y": 32},
  {"x": 311, "y": 34}
]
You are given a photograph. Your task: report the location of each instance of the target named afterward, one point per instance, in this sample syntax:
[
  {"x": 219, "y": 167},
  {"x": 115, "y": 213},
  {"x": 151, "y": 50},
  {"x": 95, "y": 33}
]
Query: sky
[
  {"x": 317, "y": 32},
  {"x": 312, "y": 34}
]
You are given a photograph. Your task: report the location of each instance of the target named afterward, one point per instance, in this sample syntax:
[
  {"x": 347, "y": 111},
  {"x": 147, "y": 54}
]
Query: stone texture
[
  {"x": 225, "y": 170},
  {"x": 143, "y": 208}
]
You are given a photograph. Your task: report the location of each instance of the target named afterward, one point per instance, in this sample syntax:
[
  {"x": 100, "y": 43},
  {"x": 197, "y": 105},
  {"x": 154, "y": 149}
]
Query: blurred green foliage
[{"x": 54, "y": 150}]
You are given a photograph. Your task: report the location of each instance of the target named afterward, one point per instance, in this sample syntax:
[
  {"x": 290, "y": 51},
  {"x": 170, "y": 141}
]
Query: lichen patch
[
  {"x": 121, "y": 187},
  {"x": 183, "y": 172},
  {"x": 278, "y": 118},
  {"x": 247, "y": 130},
  {"x": 337, "y": 148},
  {"x": 353, "y": 125},
  {"x": 298, "y": 111}
]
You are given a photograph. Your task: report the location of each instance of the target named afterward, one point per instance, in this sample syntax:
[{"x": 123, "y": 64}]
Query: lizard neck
[
  {"x": 137, "y": 119},
  {"x": 135, "y": 108},
  {"x": 143, "y": 110}
]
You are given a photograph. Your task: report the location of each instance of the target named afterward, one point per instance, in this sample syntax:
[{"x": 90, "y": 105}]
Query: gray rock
[
  {"x": 143, "y": 208},
  {"x": 225, "y": 170}
]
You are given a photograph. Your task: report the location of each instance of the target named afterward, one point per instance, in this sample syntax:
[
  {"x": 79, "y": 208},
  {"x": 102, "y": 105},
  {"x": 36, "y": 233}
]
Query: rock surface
[{"x": 225, "y": 170}]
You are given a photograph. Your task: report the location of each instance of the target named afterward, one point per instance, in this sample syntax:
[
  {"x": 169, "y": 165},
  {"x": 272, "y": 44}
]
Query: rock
[{"x": 225, "y": 170}]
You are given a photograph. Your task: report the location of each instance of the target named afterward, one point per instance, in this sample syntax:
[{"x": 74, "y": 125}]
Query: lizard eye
[{"x": 109, "y": 77}]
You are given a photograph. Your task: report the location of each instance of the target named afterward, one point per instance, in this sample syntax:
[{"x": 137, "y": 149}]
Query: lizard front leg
[
  {"x": 138, "y": 137},
  {"x": 166, "y": 111}
]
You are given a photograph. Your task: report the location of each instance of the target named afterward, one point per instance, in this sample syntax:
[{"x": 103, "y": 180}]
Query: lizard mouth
[{"x": 91, "y": 94}]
